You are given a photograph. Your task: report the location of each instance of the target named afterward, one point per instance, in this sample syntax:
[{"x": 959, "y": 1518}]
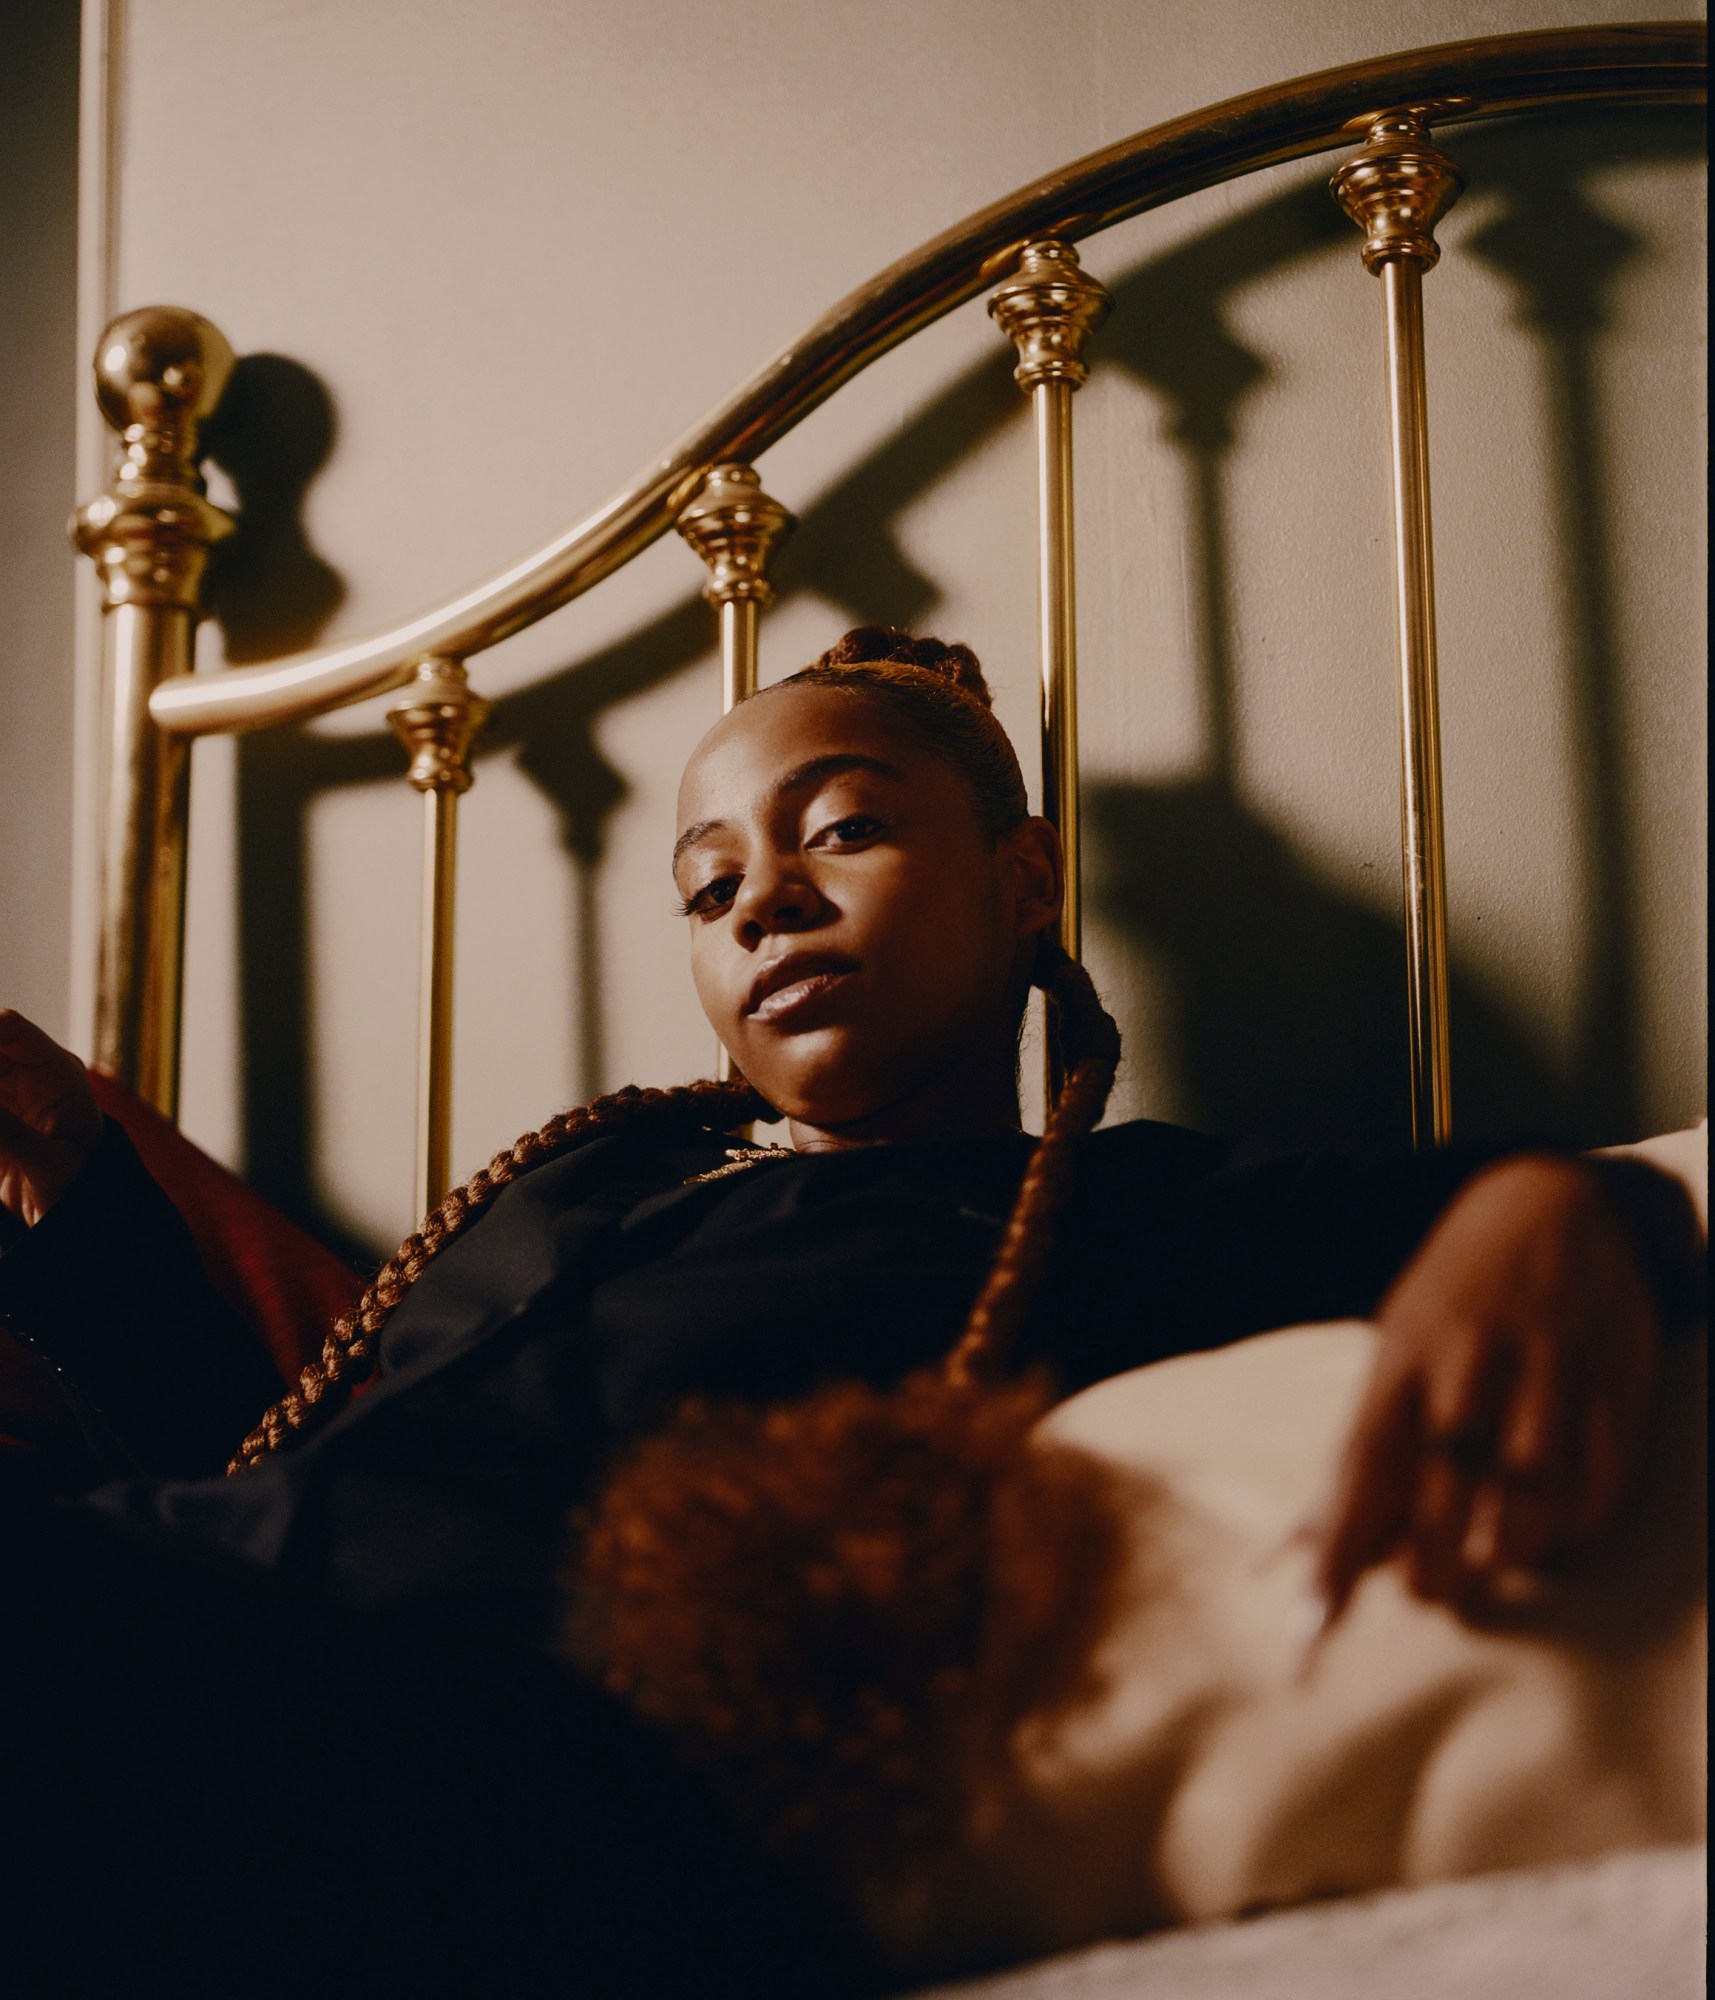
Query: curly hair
[{"x": 835, "y": 1608}]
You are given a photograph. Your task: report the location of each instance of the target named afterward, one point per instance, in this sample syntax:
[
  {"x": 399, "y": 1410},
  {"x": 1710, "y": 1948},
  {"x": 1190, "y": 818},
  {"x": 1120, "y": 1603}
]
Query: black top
[{"x": 600, "y": 1289}]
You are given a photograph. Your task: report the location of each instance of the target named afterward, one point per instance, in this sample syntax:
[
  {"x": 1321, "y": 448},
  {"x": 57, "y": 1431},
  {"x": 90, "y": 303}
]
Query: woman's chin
[
  {"x": 825, "y": 1097},
  {"x": 815, "y": 1078}
]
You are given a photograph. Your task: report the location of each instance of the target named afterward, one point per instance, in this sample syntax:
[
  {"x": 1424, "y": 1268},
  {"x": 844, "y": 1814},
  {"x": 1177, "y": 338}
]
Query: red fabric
[{"x": 282, "y": 1281}]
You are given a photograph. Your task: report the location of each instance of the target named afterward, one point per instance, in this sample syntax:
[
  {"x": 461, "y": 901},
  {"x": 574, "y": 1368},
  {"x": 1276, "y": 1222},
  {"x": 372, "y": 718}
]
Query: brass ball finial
[
  {"x": 159, "y": 374},
  {"x": 1397, "y": 187},
  {"x": 161, "y": 366},
  {"x": 1048, "y": 308}
]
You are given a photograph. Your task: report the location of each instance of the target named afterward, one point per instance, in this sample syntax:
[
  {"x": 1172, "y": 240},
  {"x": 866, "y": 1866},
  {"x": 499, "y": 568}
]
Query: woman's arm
[
  {"x": 1521, "y": 1299},
  {"x": 1519, "y": 1349},
  {"x": 101, "y": 1276}
]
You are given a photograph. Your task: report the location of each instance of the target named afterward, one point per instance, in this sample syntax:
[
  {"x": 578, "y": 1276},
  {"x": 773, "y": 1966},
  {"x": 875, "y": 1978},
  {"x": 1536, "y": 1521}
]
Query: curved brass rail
[{"x": 1658, "y": 63}]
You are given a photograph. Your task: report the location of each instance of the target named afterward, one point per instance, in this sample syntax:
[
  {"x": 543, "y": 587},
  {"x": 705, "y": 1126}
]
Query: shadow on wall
[
  {"x": 1284, "y": 1009},
  {"x": 274, "y": 431}
]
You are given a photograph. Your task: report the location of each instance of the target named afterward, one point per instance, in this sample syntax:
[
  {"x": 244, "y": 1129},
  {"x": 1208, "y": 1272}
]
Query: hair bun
[{"x": 887, "y": 645}]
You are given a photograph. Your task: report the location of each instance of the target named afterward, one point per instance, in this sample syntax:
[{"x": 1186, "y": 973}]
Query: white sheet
[{"x": 1626, "y": 1927}]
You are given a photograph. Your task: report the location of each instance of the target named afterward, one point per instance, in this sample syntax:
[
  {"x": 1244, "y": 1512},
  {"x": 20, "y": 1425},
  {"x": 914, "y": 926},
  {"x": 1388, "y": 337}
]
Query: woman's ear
[{"x": 1036, "y": 870}]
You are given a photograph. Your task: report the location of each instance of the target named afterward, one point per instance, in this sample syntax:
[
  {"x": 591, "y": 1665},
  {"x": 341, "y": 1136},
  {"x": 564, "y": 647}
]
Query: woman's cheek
[{"x": 722, "y": 1009}]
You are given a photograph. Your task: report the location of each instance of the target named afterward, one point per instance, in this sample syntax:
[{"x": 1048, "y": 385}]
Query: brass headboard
[{"x": 160, "y": 373}]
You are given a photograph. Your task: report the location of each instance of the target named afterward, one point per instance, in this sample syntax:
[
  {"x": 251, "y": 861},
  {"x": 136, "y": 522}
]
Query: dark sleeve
[
  {"x": 1176, "y": 1241},
  {"x": 1328, "y": 1234},
  {"x": 109, "y": 1289},
  {"x": 1219, "y": 1239},
  {"x": 1284, "y": 1239}
]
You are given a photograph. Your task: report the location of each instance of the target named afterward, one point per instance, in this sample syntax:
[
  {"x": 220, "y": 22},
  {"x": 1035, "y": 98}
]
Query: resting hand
[
  {"x": 49, "y": 1121},
  {"x": 1504, "y": 1415}
]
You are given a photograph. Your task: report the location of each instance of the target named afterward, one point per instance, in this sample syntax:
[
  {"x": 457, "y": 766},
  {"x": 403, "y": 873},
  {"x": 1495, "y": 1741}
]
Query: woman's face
[{"x": 857, "y": 940}]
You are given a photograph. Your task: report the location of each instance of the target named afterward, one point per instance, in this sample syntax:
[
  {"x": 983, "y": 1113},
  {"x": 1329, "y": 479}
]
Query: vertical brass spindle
[
  {"x": 736, "y": 527},
  {"x": 1057, "y": 601},
  {"x": 159, "y": 373},
  {"x": 739, "y": 622},
  {"x": 436, "y": 721},
  {"x": 1048, "y": 308},
  {"x": 1396, "y": 188}
]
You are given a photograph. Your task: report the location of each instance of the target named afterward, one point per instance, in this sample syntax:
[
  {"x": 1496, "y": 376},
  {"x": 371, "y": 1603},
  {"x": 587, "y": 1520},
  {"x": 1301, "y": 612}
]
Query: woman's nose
[{"x": 776, "y": 898}]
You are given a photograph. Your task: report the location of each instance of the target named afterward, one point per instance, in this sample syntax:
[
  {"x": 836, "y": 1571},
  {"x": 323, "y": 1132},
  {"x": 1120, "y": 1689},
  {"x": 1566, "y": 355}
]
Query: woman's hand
[
  {"x": 1504, "y": 1416},
  {"x": 50, "y": 1123}
]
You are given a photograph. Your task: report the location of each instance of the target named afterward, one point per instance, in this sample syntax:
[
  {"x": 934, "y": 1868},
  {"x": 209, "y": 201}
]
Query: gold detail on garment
[{"x": 738, "y": 1158}]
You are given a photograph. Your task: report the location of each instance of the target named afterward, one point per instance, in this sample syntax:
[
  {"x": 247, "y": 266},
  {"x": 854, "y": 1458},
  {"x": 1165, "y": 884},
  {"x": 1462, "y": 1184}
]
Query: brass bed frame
[{"x": 160, "y": 373}]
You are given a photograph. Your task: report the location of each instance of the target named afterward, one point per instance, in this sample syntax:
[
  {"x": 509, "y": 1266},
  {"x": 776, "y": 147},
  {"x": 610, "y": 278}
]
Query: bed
[{"x": 1627, "y": 1922}]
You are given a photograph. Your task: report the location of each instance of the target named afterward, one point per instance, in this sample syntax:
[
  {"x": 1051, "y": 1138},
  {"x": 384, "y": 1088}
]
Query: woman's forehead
[{"x": 746, "y": 754}]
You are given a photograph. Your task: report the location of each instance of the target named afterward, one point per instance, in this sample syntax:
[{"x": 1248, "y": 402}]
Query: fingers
[
  {"x": 1533, "y": 1437},
  {"x": 1605, "y": 1463},
  {"x": 1536, "y": 1458},
  {"x": 45, "y": 1085},
  {"x": 21, "y": 1041},
  {"x": 1466, "y": 1373},
  {"x": 22, "y": 1144},
  {"x": 1440, "y": 1525},
  {"x": 1512, "y": 1387},
  {"x": 1374, "y": 1494}
]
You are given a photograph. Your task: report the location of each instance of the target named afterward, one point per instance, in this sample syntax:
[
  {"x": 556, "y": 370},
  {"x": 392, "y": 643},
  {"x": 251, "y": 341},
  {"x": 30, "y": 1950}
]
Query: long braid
[
  {"x": 1089, "y": 1039},
  {"x": 348, "y": 1353}
]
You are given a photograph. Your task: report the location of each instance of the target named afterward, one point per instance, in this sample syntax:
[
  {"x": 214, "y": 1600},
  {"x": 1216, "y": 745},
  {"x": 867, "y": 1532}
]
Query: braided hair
[{"x": 348, "y": 1354}]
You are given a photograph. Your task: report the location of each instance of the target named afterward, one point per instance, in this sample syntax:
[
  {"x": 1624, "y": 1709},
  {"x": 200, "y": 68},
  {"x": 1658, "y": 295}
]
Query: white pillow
[{"x": 1685, "y": 1155}]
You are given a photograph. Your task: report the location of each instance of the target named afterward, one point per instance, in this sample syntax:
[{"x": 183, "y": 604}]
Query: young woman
[{"x": 868, "y": 900}]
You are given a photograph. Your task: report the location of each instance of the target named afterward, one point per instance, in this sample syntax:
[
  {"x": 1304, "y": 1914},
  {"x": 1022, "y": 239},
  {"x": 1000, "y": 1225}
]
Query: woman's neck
[{"x": 976, "y": 1101}]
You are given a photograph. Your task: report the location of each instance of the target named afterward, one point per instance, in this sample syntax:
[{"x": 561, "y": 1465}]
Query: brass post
[
  {"x": 436, "y": 719},
  {"x": 159, "y": 373},
  {"x": 736, "y": 527},
  {"x": 1396, "y": 188},
  {"x": 1048, "y": 308}
]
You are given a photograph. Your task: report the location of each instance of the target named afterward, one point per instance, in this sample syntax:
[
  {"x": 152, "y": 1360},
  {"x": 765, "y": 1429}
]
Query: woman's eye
[
  {"x": 711, "y": 898},
  {"x": 851, "y": 830}
]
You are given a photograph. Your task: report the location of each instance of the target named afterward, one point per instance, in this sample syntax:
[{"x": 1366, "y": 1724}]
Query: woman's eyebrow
[
  {"x": 816, "y": 772},
  {"x": 692, "y": 834}
]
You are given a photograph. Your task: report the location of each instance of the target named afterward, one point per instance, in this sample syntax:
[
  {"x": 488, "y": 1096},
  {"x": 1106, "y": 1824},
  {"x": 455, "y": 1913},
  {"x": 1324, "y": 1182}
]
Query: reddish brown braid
[
  {"x": 1089, "y": 1041},
  {"x": 348, "y": 1353}
]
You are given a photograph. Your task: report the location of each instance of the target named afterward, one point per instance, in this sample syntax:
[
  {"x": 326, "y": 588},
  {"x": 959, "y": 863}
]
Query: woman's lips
[{"x": 797, "y": 987}]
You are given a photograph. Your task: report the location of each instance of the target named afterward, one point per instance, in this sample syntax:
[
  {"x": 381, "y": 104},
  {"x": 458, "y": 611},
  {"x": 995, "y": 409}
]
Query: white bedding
[
  {"x": 1626, "y": 1927},
  {"x": 1201, "y": 1775}
]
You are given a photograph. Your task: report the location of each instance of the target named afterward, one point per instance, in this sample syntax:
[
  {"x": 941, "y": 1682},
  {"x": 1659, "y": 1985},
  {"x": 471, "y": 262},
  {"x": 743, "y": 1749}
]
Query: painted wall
[
  {"x": 38, "y": 273},
  {"x": 484, "y": 261}
]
